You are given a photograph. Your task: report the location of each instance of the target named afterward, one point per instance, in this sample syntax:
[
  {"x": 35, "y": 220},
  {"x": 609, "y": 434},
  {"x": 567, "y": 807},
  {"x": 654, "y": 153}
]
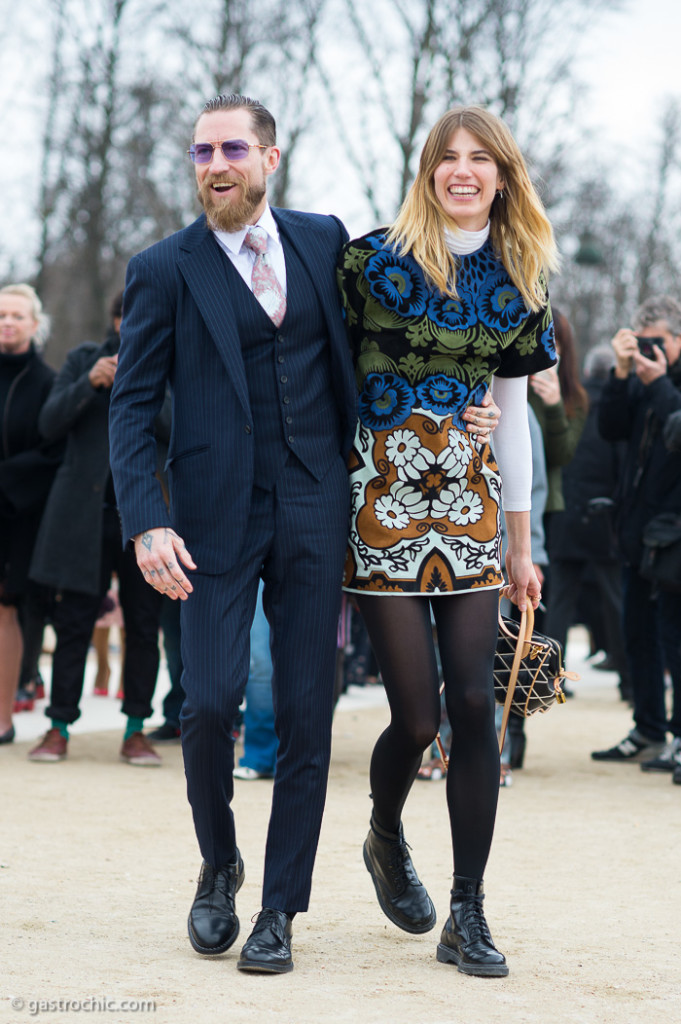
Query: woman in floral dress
[{"x": 447, "y": 301}]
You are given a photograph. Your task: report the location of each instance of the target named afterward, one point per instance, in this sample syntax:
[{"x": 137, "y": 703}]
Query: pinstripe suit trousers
[{"x": 295, "y": 541}]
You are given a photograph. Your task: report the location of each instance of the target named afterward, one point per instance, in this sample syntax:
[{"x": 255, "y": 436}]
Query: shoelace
[
  {"x": 269, "y": 917},
  {"x": 220, "y": 881},
  {"x": 474, "y": 919},
  {"x": 401, "y": 866}
]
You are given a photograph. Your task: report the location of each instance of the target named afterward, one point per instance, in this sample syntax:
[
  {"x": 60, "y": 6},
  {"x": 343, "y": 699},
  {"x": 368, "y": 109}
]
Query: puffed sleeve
[{"x": 533, "y": 348}]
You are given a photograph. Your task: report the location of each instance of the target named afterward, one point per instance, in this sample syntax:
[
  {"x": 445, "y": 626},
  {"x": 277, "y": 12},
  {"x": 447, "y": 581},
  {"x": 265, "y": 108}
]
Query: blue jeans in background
[{"x": 260, "y": 739}]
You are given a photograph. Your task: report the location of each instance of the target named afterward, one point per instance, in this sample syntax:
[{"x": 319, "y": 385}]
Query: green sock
[
  {"x": 62, "y": 726},
  {"x": 134, "y": 725}
]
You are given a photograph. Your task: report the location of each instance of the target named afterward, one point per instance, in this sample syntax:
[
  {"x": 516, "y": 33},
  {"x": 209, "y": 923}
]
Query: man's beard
[{"x": 234, "y": 213}]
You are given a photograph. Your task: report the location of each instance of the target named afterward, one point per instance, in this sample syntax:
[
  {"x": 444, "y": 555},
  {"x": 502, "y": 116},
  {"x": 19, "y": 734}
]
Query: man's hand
[
  {"x": 625, "y": 344},
  {"x": 102, "y": 373},
  {"x": 482, "y": 419},
  {"x": 159, "y": 553},
  {"x": 648, "y": 370}
]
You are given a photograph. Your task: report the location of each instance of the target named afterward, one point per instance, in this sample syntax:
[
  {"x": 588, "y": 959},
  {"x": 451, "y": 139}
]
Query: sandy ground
[{"x": 98, "y": 866}]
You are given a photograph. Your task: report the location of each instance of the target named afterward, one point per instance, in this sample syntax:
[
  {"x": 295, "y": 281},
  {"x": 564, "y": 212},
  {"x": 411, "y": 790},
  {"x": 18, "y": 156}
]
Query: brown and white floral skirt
[{"x": 424, "y": 519}]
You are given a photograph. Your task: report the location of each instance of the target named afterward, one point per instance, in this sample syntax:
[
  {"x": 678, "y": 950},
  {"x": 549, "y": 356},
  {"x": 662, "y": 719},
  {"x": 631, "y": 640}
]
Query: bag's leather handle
[{"x": 522, "y": 649}]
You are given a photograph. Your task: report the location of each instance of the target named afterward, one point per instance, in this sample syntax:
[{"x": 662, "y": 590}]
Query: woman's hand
[
  {"x": 523, "y": 581},
  {"x": 482, "y": 419},
  {"x": 546, "y": 385}
]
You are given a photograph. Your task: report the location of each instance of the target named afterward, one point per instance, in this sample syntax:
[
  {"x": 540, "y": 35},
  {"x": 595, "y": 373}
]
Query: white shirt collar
[
  {"x": 461, "y": 242},
  {"x": 233, "y": 240}
]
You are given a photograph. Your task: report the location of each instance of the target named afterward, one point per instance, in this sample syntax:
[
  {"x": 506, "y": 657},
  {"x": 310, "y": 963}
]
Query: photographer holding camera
[{"x": 642, "y": 391}]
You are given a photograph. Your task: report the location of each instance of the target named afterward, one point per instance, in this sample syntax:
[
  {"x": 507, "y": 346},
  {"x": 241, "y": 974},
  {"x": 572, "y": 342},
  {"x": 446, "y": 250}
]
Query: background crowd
[{"x": 606, "y": 514}]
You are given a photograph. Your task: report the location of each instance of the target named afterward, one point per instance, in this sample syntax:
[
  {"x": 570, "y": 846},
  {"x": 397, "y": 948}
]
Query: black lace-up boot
[
  {"x": 466, "y": 939},
  {"x": 402, "y": 897}
]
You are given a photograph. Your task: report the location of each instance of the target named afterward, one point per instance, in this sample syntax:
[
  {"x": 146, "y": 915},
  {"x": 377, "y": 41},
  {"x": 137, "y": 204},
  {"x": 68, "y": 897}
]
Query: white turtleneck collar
[{"x": 461, "y": 243}]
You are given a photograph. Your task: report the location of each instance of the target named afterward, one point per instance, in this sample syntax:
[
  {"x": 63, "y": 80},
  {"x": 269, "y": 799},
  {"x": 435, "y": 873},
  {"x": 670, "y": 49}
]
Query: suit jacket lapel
[
  {"x": 303, "y": 240},
  {"x": 202, "y": 267}
]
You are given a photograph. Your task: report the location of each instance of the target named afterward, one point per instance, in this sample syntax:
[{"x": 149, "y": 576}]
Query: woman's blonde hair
[
  {"x": 29, "y": 293},
  {"x": 520, "y": 231}
]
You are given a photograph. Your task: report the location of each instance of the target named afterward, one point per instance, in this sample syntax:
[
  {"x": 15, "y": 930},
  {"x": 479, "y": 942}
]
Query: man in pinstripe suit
[{"x": 263, "y": 416}]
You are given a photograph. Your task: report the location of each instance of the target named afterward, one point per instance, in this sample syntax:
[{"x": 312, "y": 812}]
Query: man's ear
[{"x": 271, "y": 159}]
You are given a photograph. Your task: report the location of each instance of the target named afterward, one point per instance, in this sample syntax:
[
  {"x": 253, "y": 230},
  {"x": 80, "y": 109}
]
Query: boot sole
[
  {"x": 420, "y": 929},
  {"x": 445, "y": 955}
]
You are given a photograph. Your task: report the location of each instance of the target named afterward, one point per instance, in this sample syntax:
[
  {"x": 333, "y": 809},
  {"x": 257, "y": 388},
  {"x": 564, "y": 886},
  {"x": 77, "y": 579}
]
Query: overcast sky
[{"x": 631, "y": 65}]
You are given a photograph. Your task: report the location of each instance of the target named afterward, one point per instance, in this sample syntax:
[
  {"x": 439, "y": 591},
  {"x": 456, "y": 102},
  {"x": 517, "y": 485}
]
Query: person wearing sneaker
[
  {"x": 27, "y": 467},
  {"x": 667, "y": 760},
  {"x": 428, "y": 341},
  {"x": 643, "y": 391},
  {"x": 79, "y": 546}
]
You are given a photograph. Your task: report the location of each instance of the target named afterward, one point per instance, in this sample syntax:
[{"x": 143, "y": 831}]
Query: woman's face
[
  {"x": 17, "y": 325},
  {"x": 466, "y": 181}
]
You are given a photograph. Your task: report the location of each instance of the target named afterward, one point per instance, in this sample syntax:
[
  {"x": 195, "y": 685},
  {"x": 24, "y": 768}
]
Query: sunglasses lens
[
  {"x": 201, "y": 152},
  {"x": 235, "y": 149}
]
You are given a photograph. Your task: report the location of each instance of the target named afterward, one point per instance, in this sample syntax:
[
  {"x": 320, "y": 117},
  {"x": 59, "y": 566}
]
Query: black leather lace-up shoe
[
  {"x": 213, "y": 925},
  {"x": 466, "y": 940},
  {"x": 401, "y": 896},
  {"x": 268, "y": 947}
]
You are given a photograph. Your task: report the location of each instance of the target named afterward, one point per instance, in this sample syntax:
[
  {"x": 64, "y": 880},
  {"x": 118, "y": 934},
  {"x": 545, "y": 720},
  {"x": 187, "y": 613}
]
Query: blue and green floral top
[{"x": 414, "y": 348}]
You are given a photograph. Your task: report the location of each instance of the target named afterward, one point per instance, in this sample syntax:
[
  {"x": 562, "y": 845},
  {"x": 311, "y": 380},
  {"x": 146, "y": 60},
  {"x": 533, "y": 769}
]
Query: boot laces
[
  {"x": 401, "y": 866},
  {"x": 474, "y": 919}
]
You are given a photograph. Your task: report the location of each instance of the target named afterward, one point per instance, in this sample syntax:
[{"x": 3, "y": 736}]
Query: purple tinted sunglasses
[{"x": 232, "y": 149}]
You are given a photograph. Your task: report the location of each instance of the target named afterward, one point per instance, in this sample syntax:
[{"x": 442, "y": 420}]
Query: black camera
[{"x": 647, "y": 346}]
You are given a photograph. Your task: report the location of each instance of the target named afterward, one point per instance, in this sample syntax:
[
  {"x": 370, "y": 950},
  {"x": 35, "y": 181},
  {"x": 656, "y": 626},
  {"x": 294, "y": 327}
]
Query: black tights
[{"x": 402, "y": 638}]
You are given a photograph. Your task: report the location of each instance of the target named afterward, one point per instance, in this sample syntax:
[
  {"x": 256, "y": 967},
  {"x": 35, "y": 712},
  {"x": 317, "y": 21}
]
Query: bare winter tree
[
  {"x": 76, "y": 267},
  {"x": 625, "y": 250},
  {"x": 421, "y": 56},
  {"x": 655, "y": 252},
  {"x": 222, "y": 48}
]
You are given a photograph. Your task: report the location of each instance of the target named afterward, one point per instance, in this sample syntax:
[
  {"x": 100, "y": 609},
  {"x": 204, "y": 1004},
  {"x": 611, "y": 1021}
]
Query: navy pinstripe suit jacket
[{"x": 179, "y": 327}]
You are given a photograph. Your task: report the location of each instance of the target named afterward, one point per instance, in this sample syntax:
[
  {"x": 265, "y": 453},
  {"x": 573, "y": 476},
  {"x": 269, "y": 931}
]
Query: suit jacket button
[{"x": 247, "y": 429}]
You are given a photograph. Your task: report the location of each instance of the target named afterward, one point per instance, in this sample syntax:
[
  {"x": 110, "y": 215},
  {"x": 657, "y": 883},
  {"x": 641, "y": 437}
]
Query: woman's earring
[{"x": 500, "y": 193}]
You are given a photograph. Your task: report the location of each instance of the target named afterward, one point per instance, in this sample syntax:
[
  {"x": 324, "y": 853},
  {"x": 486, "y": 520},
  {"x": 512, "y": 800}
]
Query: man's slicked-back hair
[{"x": 264, "y": 124}]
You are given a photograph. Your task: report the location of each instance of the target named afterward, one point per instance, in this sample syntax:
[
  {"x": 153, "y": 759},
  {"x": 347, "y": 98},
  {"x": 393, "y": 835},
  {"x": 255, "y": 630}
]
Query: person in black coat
[
  {"x": 78, "y": 547},
  {"x": 27, "y": 467},
  {"x": 582, "y": 541},
  {"x": 644, "y": 389}
]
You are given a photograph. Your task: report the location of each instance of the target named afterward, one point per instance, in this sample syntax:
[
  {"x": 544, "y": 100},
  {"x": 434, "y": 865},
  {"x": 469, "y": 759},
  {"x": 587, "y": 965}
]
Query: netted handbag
[{"x": 528, "y": 670}]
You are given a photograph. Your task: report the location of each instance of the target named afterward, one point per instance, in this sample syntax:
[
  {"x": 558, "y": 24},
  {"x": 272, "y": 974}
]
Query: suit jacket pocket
[{"x": 196, "y": 449}]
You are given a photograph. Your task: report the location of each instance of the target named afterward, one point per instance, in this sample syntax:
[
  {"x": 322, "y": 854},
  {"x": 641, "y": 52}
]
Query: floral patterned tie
[{"x": 264, "y": 281}]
